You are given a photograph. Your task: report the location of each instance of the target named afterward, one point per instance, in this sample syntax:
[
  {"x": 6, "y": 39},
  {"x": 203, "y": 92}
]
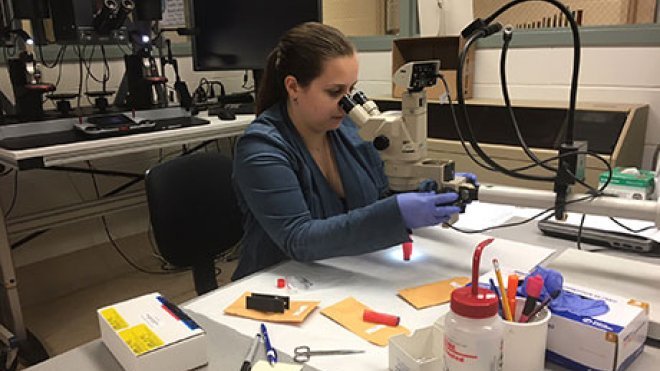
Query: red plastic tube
[
  {"x": 407, "y": 250},
  {"x": 380, "y": 318}
]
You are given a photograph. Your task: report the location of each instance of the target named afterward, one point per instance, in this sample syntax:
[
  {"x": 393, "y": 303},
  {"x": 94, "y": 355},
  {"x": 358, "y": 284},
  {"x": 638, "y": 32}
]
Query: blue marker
[
  {"x": 497, "y": 293},
  {"x": 271, "y": 353},
  {"x": 177, "y": 313}
]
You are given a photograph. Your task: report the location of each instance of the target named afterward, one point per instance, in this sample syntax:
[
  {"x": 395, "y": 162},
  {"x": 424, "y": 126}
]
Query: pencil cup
[{"x": 524, "y": 343}]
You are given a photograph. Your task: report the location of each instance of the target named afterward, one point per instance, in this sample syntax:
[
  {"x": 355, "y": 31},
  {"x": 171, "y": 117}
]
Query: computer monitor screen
[{"x": 239, "y": 34}]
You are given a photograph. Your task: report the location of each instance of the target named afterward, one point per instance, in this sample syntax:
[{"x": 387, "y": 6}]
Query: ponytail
[{"x": 270, "y": 88}]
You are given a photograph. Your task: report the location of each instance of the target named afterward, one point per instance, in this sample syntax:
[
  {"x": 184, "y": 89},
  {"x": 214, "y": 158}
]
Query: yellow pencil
[{"x": 505, "y": 301}]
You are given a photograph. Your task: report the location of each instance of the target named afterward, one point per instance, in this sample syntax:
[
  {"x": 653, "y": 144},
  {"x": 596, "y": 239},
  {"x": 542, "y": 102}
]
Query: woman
[{"x": 310, "y": 188}]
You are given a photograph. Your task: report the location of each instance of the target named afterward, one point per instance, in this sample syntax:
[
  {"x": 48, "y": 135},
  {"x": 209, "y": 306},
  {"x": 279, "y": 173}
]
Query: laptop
[{"x": 600, "y": 237}]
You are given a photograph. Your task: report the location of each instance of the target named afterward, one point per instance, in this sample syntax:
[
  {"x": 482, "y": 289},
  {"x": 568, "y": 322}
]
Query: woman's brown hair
[{"x": 300, "y": 53}]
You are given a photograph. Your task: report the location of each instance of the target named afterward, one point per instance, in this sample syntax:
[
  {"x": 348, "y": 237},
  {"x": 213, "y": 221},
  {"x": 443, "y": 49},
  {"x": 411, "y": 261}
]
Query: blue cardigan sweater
[{"x": 291, "y": 212}]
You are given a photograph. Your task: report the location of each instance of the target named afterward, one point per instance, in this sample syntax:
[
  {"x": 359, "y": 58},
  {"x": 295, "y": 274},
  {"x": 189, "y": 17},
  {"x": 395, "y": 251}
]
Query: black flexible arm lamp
[{"x": 565, "y": 176}]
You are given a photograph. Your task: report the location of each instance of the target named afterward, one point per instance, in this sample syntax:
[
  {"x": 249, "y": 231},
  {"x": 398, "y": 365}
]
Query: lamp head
[{"x": 21, "y": 34}]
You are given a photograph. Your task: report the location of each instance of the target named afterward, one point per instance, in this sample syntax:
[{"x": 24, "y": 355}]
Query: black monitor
[{"x": 239, "y": 34}]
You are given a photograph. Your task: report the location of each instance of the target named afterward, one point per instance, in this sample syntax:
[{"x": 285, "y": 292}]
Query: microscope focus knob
[{"x": 381, "y": 142}]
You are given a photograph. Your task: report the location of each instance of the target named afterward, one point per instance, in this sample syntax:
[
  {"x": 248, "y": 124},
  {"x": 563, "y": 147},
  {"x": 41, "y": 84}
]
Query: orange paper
[
  {"x": 432, "y": 294},
  {"x": 297, "y": 312},
  {"x": 348, "y": 313}
]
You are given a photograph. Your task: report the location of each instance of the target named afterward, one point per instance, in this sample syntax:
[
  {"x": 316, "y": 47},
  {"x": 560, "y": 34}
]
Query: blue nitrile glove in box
[
  {"x": 578, "y": 305},
  {"x": 566, "y": 301},
  {"x": 425, "y": 209}
]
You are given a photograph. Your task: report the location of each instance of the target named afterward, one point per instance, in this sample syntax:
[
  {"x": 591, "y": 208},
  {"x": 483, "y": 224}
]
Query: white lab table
[{"x": 374, "y": 280}]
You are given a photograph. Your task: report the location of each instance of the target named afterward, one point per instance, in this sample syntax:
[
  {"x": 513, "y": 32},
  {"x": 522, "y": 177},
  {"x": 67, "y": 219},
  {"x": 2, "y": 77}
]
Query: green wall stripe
[{"x": 626, "y": 35}]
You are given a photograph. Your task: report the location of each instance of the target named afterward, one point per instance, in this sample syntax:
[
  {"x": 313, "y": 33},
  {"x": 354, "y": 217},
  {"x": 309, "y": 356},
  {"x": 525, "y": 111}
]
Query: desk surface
[
  {"x": 373, "y": 279},
  {"x": 61, "y": 154}
]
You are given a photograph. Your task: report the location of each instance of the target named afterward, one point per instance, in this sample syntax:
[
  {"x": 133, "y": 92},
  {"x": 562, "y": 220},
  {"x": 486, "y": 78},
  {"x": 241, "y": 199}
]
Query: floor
[{"x": 69, "y": 320}]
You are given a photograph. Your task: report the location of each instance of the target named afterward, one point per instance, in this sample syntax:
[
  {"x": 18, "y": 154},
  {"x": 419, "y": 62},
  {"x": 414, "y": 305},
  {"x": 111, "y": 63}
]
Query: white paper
[
  {"x": 279, "y": 366},
  {"x": 174, "y": 14}
]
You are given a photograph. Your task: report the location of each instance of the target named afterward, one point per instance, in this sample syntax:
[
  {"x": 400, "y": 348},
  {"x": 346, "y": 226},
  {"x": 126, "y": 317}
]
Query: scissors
[{"x": 303, "y": 353}]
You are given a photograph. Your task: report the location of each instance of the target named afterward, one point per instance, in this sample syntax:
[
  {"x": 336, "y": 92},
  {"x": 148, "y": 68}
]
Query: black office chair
[{"x": 194, "y": 213}]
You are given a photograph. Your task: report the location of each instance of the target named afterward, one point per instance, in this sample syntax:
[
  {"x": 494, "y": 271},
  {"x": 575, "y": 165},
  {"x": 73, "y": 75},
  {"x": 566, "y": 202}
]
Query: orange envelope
[
  {"x": 297, "y": 312},
  {"x": 348, "y": 313},
  {"x": 432, "y": 294}
]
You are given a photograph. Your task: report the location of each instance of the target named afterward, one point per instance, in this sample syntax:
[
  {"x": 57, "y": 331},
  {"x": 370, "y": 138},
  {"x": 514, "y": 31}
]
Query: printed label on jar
[{"x": 472, "y": 354}]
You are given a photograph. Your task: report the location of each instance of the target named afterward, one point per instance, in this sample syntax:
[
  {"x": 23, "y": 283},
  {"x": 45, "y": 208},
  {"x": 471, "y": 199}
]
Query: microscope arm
[{"x": 542, "y": 199}]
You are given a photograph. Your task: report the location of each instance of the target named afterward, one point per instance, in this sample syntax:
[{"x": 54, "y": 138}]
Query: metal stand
[
  {"x": 30, "y": 349},
  {"x": 20, "y": 341}
]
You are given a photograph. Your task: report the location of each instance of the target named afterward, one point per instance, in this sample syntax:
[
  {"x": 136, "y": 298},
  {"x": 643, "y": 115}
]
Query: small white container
[
  {"x": 420, "y": 351},
  {"x": 525, "y": 343},
  {"x": 145, "y": 334}
]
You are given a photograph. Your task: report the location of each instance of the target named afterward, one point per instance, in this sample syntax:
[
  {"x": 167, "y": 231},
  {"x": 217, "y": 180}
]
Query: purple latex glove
[
  {"x": 578, "y": 305},
  {"x": 471, "y": 177},
  {"x": 425, "y": 209},
  {"x": 566, "y": 301}
]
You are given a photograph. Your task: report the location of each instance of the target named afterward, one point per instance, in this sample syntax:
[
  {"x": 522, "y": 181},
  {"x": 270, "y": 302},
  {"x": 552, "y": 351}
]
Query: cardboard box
[
  {"x": 150, "y": 333},
  {"x": 629, "y": 183},
  {"x": 446, "y": 50},
  {"x": 611, "y": 341},
  {"x": 421, "y": 351}
]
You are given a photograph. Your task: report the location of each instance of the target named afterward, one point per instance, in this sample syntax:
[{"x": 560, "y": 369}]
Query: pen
[
  {"x": 543, "y": 304},
  {"x": 505, "y": 301},
  {"x": 271, "y": 353},
  {"x": 177, "y": 313},
  {"x": 497, "y": 293},
  {"x": 249, "y": 357}
]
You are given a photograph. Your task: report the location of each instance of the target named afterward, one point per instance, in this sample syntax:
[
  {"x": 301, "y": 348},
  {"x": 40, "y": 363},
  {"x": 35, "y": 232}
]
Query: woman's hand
[{"x": 424, "y": 209}]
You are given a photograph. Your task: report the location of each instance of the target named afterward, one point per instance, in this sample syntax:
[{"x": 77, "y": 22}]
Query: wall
[
  {"x": 621, "y": 74},
  {"x": 355, "y": 18}
]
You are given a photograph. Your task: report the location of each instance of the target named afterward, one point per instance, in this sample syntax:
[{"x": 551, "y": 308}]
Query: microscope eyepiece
[
  {"x": 104, "y": 18},
  {"x": 347, "y": 103},
  {"x": 360, "y": 98}
]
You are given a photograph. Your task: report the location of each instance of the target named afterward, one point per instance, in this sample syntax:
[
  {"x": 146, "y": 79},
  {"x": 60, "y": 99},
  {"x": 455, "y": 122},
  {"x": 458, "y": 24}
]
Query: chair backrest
[{"x": 193, "y": 209}]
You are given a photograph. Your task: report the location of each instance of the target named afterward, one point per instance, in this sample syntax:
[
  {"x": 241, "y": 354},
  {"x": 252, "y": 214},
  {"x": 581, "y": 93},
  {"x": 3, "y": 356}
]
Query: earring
[{"x": 295, "y": 100}]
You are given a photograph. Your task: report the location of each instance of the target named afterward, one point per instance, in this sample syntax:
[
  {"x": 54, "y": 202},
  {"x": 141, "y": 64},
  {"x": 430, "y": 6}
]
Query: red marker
[
  {"x": 533, "y": 286},
  {"x": 381, "y": 318}
]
